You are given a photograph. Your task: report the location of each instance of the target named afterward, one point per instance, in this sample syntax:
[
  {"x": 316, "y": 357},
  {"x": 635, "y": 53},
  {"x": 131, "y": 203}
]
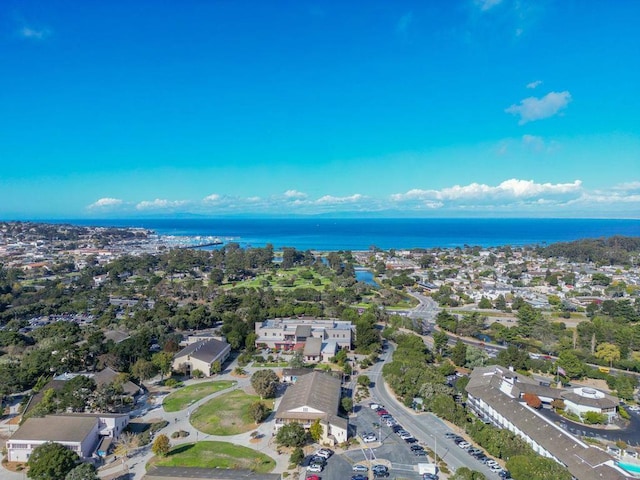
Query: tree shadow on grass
[{"x": 181, "y": 449}]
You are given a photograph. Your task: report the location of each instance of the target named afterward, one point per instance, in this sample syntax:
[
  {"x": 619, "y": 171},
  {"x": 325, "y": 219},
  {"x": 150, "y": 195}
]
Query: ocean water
[{"x": 360, "y": 234}]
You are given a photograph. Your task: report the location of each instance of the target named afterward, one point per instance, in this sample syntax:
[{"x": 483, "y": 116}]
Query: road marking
[{"x": 403, "y": 466}]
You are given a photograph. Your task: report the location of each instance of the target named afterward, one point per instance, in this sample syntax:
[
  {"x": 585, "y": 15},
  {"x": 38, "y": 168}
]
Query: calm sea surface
[{"x": 359, "y": 234}]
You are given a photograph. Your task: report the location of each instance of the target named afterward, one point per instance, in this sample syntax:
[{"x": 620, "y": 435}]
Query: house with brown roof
[
  {"x": 315, "y": 396},
  {"x": 201, "y": 355}
]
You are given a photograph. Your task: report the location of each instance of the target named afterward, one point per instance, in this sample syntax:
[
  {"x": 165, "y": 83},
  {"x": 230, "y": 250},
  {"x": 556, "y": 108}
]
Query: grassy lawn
[
  {"x": 217, "y": 455},
  {"x": 182, "y": 398},
  {"x": 293, "y": 274},
  {"x": 227, "y": 414}
]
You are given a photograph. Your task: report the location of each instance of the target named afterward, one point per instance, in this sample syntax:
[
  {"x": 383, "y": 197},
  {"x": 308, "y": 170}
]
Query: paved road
[{"x": 426, "y": 427}]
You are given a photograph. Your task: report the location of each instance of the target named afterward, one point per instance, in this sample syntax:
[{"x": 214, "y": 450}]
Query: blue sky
[{"x": 414, "y": 108}]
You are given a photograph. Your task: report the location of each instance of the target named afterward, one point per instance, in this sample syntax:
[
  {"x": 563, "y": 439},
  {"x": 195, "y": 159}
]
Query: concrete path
[{"x": 135, "y": 465}]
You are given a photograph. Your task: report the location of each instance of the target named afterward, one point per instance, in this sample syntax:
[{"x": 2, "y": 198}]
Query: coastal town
[{"x": 128, "y": 354}]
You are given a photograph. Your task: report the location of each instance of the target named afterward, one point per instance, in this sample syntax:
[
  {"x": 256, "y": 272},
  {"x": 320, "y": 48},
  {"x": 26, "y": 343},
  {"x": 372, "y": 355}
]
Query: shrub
[
  {"x": 623, "y": 413},
  {"x": 197, "y": 373},
  {"x": 171, "y": 382},
  {"x": 591, "y": 418}
]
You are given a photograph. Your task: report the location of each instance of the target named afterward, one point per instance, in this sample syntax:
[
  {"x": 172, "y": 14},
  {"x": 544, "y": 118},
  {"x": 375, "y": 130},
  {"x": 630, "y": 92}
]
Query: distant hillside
[{"x": 616, "y": 250}]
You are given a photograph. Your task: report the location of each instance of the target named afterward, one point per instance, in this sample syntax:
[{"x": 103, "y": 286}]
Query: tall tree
[
  {"x": 265, "y": 383},
  {"x": 608, "y": 352},
  {"x": 161, "y": 445}
]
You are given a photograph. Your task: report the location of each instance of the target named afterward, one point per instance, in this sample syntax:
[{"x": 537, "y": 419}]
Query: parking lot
[{"x": 392, "y": 451}]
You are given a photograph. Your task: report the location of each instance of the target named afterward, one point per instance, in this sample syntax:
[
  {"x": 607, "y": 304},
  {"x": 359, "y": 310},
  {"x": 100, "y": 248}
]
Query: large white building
[
  {"x": 201, "y": 355},
  {"x": 315, "y": 396},
  {"x": 494, "y": 393},
  {"x": 81, "y": 433},
  {"x": 290, "y": 333}
]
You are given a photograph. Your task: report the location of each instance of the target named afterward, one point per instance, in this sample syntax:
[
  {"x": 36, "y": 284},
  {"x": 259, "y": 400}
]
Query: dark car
[
  {"x": 416, "y": 447},
  {"x": 420, "y": 453},
  {"x": 318, "y": 460},
  {"x": 380, "y": 473},
  {"x": 359, "y": 476},
  {"x": 411, "y": 440},
  {"x": 396, "y": 428}
]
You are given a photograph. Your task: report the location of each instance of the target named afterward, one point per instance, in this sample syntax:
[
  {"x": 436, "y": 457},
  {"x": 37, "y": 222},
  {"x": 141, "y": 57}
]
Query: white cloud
[
  {"x": 213, "y": 198},
  {"x": 330, "y": 199},
  {"x": 160, "y": 204},
  {"x": 534, "y": 84},
  {"x": 295, "y": 194},
  {"x": 487, "y": 4},
  {"x": 105, "y": 202},
  {"x": 512, "y": 191},
  {"x": 533, "y": 108},
  {"x": 628, "y": 186},
  {"x": 34, "y": 34}
]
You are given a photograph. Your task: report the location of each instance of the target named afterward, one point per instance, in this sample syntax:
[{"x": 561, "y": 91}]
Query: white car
[
  {"x": 360, "y": 468},
  {"x": 491, "y": 463},
  {"x": 324, "y": 453},
  {"x": 405, "y": 435},
  {"x": 370, "y": 438},
  {"x": 464, "y": 445},
  {"x": 315, "y": 468}
]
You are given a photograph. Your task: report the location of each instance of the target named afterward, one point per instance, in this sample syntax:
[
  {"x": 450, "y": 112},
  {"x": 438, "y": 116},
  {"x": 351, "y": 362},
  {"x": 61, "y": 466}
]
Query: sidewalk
[{"x": 135, "y": 465}]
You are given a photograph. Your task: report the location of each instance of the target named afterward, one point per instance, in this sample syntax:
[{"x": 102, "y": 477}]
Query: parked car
[
  {"x": 313, "y": 477},
  {"x": 314, "y": 467},
  {"x": 420, "y": 453},
  {"x": 380, "y": 473},
  {"x": 381, "y": 412},
  {"x": 429, "y": 476},
  {"x": 372, "y": 437},
  {"x": 324, "y": 452},
  {"x": 411, "y": 440},
  {"x": 464, "y": 444},
  {"x": 448, "y": 435},
  {"x": 359, "y": 476},
  {"x": 397, "y": 428},
  {"x": 417, "y": 447},
  {"x": 379, "y": 466},
  {"x": 358, "y": 467}
]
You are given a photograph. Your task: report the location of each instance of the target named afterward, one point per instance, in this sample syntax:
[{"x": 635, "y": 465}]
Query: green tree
[
  {"x": 291, "y": 435},
  {"x": 297, "y": 456},
  {"x": 485, "y": 303},
  {"x": 315, "y": 430},
  {"x": 163, "y": 362},
  {"x": 534, "y": 467},
  {"x": 216, "y": 367},
  {"x": 572, "y": 365},
  {"x": 459, "y": 353},
  {"x": 258, "y": 411},
  {"x": 364, "y": 380},
  {"x": 297, "y": 360},
  {"x": 265, "y": 383},
  {"x": 440, "y": 340},
  {"x": 143, "y": 369},
  {"x": 51, "y": 461},
  {"x": 608, "y": 352},
  {"x": 161, "y": 445},
  {"x": 84, "y": 471},
  {"x": 347, "y": 404}
]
